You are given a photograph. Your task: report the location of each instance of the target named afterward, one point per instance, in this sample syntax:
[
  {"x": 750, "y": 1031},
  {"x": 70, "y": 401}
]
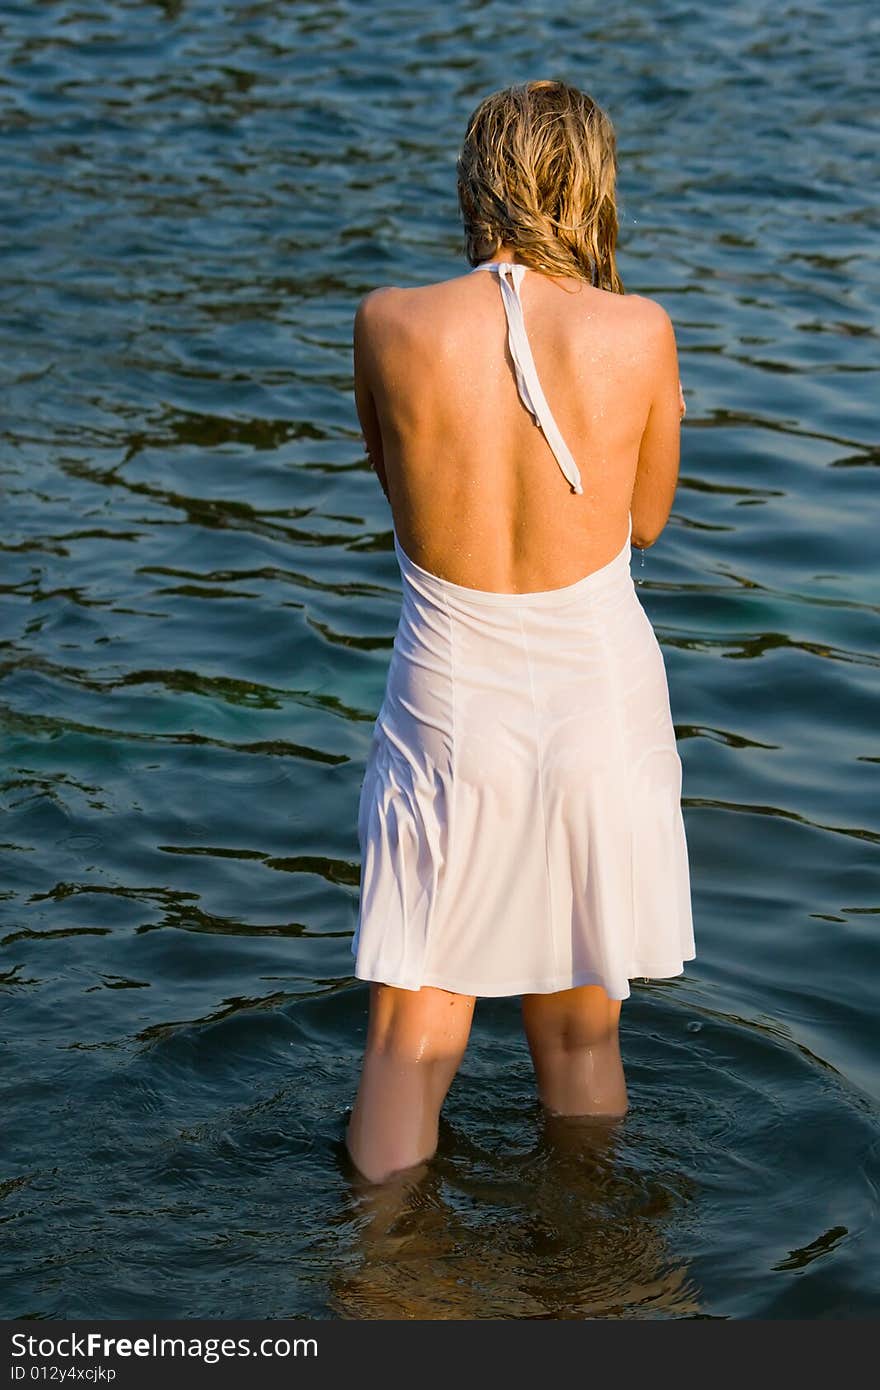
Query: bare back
[{"x": 476, "y": 493}]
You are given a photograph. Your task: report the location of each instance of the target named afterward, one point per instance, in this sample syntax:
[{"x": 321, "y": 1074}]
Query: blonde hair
[{"x": 537, "y": 171}]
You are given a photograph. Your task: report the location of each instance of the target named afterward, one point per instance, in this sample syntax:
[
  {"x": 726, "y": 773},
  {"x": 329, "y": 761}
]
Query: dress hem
[{"x": 638, "y": 972}]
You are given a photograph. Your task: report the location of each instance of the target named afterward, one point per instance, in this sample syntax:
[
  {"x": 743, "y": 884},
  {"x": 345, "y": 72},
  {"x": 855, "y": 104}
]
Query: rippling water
[{"x": 200, "y": 597}]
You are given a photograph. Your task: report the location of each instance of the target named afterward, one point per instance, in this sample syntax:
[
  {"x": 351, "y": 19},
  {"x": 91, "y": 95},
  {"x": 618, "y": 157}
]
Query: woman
[{"x": 520, "y": 816}]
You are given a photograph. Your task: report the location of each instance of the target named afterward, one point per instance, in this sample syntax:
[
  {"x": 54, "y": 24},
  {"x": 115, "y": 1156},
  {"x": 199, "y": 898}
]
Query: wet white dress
[{"x": 520, "y": 820}]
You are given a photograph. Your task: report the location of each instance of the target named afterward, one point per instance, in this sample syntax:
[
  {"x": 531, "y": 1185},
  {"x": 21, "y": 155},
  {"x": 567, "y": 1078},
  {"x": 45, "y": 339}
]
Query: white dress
[{"x": 520, "y": 819}]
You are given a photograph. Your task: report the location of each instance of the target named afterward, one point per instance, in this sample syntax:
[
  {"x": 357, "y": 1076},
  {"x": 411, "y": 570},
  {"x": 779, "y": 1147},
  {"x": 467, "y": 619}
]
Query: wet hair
[{"x": 537, "y": 171}]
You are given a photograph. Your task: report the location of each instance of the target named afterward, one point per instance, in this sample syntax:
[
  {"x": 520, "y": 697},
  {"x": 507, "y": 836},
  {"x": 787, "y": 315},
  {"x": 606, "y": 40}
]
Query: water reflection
[{"x": 575, "y": 1232}]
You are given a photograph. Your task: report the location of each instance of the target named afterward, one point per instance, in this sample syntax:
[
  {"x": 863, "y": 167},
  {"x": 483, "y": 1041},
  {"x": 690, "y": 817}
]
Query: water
[{"x": 200, "y": 596}]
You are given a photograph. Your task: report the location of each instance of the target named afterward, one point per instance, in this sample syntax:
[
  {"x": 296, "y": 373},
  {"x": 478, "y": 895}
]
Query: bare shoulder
[
  {"x": 392, "y": 318},
  {"x": 650, "y": 320},
  {"x": 382, "y": 317},
  {"x": 373, "y": 308}
]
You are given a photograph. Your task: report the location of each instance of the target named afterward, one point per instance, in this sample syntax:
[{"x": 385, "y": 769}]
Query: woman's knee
[
  {"x": 571, "y": 1019},
  {"x": 415, "y": 1041},
  {"x": 425, "y": 1026}
]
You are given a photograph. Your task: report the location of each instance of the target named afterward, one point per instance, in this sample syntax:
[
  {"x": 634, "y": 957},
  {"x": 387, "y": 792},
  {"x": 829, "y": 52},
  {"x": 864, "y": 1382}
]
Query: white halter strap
[{"x": 510, "y": 277}]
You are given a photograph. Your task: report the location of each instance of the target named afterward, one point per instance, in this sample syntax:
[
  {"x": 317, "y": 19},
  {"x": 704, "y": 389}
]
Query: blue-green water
[{"x": 199, "y": 601}]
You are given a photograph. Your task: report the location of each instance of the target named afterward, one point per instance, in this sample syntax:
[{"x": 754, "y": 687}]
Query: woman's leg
[
  {"x": 415, "y": 1042},
  {"x": 574, "y": 1042}
]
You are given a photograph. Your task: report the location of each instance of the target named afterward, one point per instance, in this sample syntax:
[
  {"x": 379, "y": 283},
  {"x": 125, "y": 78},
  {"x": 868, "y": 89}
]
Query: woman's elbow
[
  {"x": 649, "y": 523},
  {"x": 643, "y": 539}
]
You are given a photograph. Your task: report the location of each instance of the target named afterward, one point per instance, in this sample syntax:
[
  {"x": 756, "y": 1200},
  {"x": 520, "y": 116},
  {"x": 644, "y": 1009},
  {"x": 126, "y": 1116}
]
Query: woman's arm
[
  {"x": 363, "y": 396},
  {"x": 659, "y": 450}
]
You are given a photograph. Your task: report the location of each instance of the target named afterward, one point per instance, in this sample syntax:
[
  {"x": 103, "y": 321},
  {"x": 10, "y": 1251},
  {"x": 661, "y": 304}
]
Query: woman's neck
[{"x": 505, "y": 253}]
